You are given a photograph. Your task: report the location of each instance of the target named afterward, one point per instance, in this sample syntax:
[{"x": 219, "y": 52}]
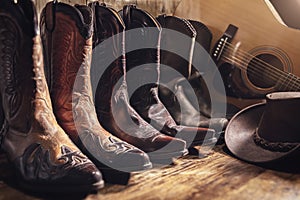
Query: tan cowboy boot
[{"x": 44, "y": 158}]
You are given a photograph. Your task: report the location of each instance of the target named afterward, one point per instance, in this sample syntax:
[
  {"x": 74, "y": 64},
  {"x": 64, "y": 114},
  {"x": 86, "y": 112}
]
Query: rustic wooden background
[
  {"x": 217, "y": 176},
  {"x": 155, "y": 7}
]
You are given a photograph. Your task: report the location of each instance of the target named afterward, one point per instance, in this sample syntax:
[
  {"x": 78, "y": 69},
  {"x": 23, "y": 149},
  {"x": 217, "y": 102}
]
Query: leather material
[
  {"x": 2, "y": 117},
  {"x": 267, "y": 132},
  {"x": 184, "y": 110},
  {"x": 145, "y": 99},
  {"x": 112, "y": 102},
  {"x": 69, "y": 59},
  {"x": 42, "y": 154}
]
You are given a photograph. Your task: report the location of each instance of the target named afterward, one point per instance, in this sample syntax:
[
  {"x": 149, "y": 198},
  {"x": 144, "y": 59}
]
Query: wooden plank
[
  {"x": 217, "y": 176},
  {"x": 155, "y": 7}
]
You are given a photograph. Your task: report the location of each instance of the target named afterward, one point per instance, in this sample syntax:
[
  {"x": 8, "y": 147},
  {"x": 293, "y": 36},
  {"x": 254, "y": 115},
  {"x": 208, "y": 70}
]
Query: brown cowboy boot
[
  {"x": 112, "y": 102},
  {"x": 67, "y": 33},
  {"x": 145, "y": 100},
  {"x": 44, "y": 158}
]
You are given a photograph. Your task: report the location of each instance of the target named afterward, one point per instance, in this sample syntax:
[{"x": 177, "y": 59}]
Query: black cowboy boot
[
  {"x": 187, "y": 111},
  {"x": 67, "y": 34},
  {"x": 44, "y": 158},
  {"x": 145, "y": 99},
  {"x": 112, "y": 103}
]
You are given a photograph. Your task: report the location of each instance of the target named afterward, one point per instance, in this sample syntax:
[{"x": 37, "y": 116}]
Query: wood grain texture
[
  {"x": 257, "y": 24},
  {"x": 217, "y": 176},
  {"x": 155, "y": 7},
  {"x": 260, "y": 31}
]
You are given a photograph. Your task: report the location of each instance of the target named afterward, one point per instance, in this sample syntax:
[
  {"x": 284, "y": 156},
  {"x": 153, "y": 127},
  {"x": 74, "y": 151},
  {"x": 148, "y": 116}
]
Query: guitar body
[{"x": 264, "y": 43}]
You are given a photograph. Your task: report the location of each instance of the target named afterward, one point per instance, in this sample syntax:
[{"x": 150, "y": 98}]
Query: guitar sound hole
[{"x": 261, "y": 70}]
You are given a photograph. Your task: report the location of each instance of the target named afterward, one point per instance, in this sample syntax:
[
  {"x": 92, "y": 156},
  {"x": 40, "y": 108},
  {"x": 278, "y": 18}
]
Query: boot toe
[
  {"x": 80, "y": 179},
  {"x": 87, "y": 174},
  {"x": 134, "y": 160},
  {"x": 196, "y": 135},
  {"x": 167, "y": 148},
  {"x": 218, "y": 124}
]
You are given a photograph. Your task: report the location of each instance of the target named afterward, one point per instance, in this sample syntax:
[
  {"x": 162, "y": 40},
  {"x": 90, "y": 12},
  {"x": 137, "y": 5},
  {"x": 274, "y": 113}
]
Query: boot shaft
[
  {"x": 108, "y": 38},
  {"x": 184, "y": 35},
  {"x": 109, "y": 53},
  {"x": 143, "y": 38},
  {"x": 143, "y": 31},
  {"x": 67, "y": 37},
  {"x": 21, "y": 64},
  {"x": 107, "y": 23}
]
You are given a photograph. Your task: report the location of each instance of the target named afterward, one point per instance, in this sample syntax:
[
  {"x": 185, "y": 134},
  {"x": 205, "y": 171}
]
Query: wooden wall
[{"x": 153, "y": 6}]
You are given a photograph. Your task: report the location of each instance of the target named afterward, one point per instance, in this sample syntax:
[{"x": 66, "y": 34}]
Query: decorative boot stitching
[
  {"x": 190, "y": 26},
  {"x": 201, "y": 26},
  {"x": 3, "y": 132},
  {"x": 36, "y": 163},
  {"x": 8, "y": 39}
]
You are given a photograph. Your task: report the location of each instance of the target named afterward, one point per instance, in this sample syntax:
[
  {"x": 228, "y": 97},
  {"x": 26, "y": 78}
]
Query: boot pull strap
[
  {"x": 98, "y": 20},
  {"x": 161, "y": 20},
  {"x": 127, "y": 14},
  {"x": 50, "y": 16},
  {"x": 95, "y": 29}
]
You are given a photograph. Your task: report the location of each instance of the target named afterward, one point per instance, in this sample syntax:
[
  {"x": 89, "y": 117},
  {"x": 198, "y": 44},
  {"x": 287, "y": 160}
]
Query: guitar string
[
  {"x": 255, "y": 71},
  {"x": 284, "y": 77},
  {"x": 294, "y": 80},
  {"x": 288, "y": 87},
  {"x": 259, "y": 75},
  {"x": 255, "y": 58},
  {"x": 242, "y": 62},
  {"x": 260, "y": 63},
  {"x": 235, "y": 59}
]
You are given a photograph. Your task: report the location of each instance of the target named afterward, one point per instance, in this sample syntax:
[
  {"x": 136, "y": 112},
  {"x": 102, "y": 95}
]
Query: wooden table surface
[{"x": 216, "y": 176}]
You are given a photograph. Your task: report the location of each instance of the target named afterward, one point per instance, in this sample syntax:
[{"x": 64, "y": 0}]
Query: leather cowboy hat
[{"x": 267, "y": 131}]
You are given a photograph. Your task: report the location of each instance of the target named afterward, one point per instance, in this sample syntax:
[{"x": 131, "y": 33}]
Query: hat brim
[{"x": 239, "y": 137}]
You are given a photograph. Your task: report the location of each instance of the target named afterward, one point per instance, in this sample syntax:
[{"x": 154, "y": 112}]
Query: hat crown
[{"x": 280, "y": 121}]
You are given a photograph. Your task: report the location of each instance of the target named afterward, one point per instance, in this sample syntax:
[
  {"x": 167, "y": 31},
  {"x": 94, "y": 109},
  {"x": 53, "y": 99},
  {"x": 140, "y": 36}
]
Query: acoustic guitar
[{"x": 255, "y": 51}]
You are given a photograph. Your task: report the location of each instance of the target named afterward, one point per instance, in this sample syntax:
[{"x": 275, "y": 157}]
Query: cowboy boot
[
  {"x": 145, "y": 99},
  {"x": 188, "y": 82},
  {"x": 112, "y": 103},
  {"x": 44, "y": 158},
  {"x": 69, "y": 49}
]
